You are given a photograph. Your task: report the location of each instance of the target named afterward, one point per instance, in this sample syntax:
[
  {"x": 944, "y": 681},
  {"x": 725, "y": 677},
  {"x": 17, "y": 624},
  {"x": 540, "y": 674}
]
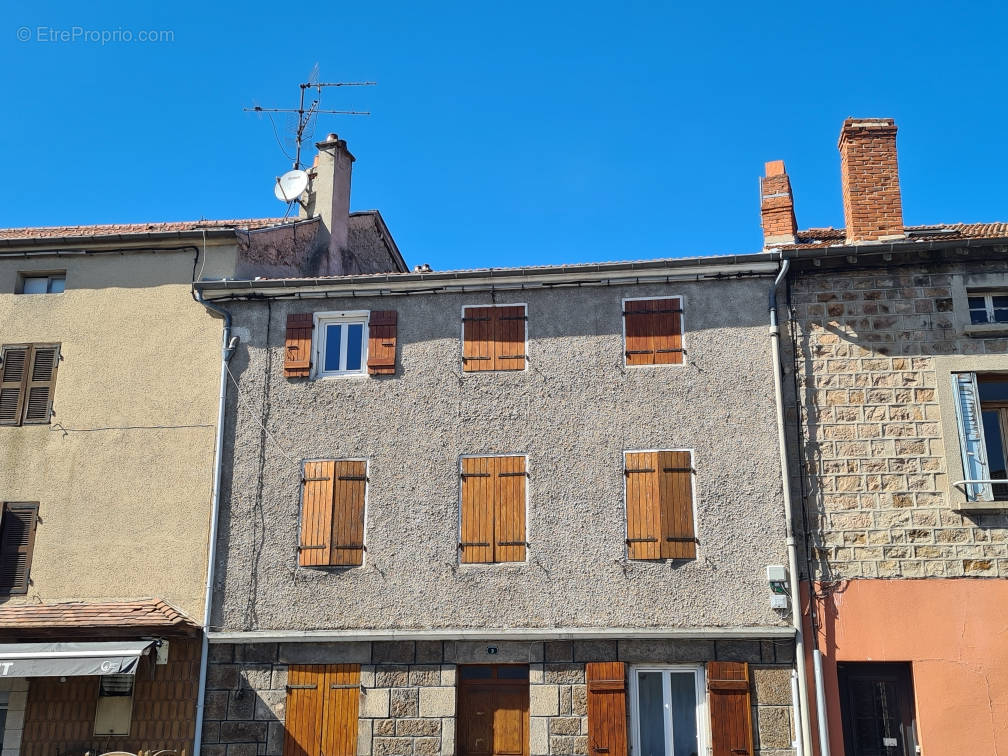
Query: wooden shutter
[
  {"x": 341, "y": 700},
  {"x": 41, "y": 384},
  {"x": 14, "y": 374},
  {"x": 477, "y": 529},
  {"x": 347, "y": 540},
  {"x": 509, "y": 509},
  {"x": 653, "y": 331},
  {"x": 304, "y": 710},
  {"x": 317, "y": 513},
  {"x": 493, "y": 338},
  {"x": 17, "y": 541},
  {"x": 607, "y": 719},
  {"x": 509, "y": 339},
  {"x": 728, "y": 701},
  {"x": 659, "y": 505},
  {"x": 297, "y": 354},
  {"x": 382, "y": 342},
  {"x": 322, "y": 710},
  {"x": 642, "y": 505}
]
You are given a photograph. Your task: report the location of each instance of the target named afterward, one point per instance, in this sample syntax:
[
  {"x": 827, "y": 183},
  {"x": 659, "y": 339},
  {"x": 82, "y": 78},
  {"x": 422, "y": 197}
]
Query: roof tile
[{"x": 150, "y": 612}]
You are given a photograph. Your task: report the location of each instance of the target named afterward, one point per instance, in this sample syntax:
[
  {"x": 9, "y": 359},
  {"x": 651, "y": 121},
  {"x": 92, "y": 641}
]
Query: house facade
[
  {"x": 108, "y": 417},
  {"x": 900, "y": 363},
  {"x": 520, "y": 511}
]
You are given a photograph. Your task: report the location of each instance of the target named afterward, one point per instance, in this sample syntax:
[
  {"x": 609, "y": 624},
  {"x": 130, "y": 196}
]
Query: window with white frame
[
  {"x": 982, "y": 415},
  {"x": 52, "y": 283},
  {"x": 988, "y": 307},
  {"x": 341, "y": 343},
  {"x": 667, "y": 704}
]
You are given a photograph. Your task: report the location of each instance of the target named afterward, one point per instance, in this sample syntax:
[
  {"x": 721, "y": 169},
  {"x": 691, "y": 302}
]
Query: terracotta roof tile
[
  {"x": 110, "y": 229},
  {"x": 812, "y": 238},
  {"x": 145, "y": 613}
]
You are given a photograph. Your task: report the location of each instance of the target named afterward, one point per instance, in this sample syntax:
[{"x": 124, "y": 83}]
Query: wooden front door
[{"x": 493, "y": 710}]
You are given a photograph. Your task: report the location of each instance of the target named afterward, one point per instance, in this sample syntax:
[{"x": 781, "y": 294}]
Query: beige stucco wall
[{"x": 123, "y": 473}]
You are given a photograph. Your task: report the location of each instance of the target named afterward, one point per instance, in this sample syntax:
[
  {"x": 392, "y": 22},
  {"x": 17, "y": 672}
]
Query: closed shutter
[
  {"x": 297, "y": 352},
  {"x": 17, "y": 541},
  {"x": 493, "y": 338},
  {"x": 971, "y": 436},
  {"x": 316, "y": 513},
  {"x": 303, "y": 718},
  {"x": 653, "y": 331},
  {"x": 509, "y": 509},
  {"x": 382, "y": 342},
  {"x": 607, "y": 719},
  {"x": 509, "y": 351},
  {"x": 341, "y": 700},
  {"x": 659, "y": 505},
  {"x": 41, "y": 384},
  {"x": 477, "y": 530},
  {"x": 14, "y": 373},
  {"x": 728, "y": 701},
  {"x": 322, "y": 710},
  {"x": 347, "y": 540}
]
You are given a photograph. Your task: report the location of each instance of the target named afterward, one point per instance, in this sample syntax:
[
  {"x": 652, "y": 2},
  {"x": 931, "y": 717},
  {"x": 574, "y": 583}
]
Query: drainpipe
[
  {"x": 805, "y": 741},
  {"x": 227, "y": 352}
]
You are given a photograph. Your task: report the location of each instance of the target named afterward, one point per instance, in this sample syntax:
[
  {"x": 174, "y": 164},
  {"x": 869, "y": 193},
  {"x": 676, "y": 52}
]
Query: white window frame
[
  {"x": 49, "y": 278},
  {"x": 988, "y": 297},
  {"x": 458, "y": 527},
  {"x": 693, "y": 491},
  {"x": 702, "y": 718},
  {"x": 348, "y": 317},
  {"x": 461, "y": 351},
  {"x": 682, "y": 330}
]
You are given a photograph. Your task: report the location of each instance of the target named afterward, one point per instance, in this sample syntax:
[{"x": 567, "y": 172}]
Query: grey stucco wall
[{"x": 573, "y": 412}]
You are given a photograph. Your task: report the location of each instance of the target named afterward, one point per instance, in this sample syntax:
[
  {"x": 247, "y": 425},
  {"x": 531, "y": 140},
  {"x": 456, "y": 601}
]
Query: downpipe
[
  {"x": 801, "y": 688},
  {"x": 228, "y": 344},
  {"x": 820, "y": 699}
]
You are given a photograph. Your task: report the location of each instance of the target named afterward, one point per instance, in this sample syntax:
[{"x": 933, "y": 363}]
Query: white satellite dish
[{"x": 290, "y": 186}]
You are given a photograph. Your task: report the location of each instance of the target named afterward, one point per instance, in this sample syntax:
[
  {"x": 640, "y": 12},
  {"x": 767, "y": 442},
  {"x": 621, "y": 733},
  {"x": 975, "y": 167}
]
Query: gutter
[{"x": 71, "y": 243}]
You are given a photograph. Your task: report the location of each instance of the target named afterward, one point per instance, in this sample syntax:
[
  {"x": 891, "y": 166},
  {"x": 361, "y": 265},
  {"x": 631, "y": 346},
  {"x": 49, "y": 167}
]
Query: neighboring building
[
  {"x": 900, "y": 343},
  {"x": 108, "y": 412},
  {"x": 521, "y": 511}
]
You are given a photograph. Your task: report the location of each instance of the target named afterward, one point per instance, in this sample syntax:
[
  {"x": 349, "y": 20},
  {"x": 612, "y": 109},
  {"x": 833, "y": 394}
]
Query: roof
[
  {"x": 115, "y": 229},
  {"x": 124, "y": 616},
  {"x": 814, "y": 238}
]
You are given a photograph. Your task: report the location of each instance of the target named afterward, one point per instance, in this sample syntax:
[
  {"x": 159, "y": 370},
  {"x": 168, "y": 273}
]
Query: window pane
[
  {"x": 475, "y": 672},
  {"x": 35, "y": 285},
  {"x": 976, "y": 303},
  {"x": 992, "y": 390},
  {"x": 1001, "y": 315},
  {"x": 331, "y": 359},
  {"x": 57, "y": 284},
  {"x": 355, "y": 341},
  {"x": 995, "y": 451},
  {"x": 978, "y": 316},
  {"x": 683, "y": 703},
  {"x": 1000, "y": 301},
  {"x": 513, "y": 673},
  {"x": 652, "y": 713}
]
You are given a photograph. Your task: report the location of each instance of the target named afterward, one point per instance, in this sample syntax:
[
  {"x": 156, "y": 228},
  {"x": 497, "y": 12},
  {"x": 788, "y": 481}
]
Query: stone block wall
[
  {"x": 408, "y": 699},
  {"x": 874, "y": 442}
]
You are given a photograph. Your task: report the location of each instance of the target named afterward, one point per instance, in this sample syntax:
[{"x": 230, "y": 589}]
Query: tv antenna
[{"x": 305, "y": 114}]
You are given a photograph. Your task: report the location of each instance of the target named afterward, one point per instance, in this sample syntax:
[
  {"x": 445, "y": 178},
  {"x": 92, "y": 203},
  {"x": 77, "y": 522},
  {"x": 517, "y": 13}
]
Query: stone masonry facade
[
  {"x": 874, "y": 440},
  {"x": 408, "y": 693}
]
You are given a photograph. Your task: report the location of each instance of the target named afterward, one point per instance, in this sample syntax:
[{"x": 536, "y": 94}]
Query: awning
[{"x": 71, "y": 659}]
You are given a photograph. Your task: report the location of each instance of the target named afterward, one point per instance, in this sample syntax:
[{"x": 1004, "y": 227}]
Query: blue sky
[{"x": 511, "y": 133}]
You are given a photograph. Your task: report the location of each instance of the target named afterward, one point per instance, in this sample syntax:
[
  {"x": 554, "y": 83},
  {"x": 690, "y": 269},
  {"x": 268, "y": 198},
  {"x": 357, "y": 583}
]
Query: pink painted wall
[{"x": 954, "y": 633}]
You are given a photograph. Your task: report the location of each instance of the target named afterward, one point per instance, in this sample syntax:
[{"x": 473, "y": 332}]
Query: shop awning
[{"x": 71, "y": 659}]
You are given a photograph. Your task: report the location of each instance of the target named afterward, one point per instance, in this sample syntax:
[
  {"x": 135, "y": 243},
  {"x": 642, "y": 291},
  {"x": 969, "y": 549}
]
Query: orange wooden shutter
[
  {"x": 303, "y": 720},
  {"x": 17, "y": 541},
  {"x": 14, "y": 373},
  {"x": 347, "y": 540},
  {"x": 509, "y": 509},
  {"x": 637, "y": 322},
  {"x": 653, "y": 331},
  {"x": 675, "y": 492},
  {"x": 728, "y": 701},
  {"x": 509, "y": 337},
  {"x": 341, "y": 699},
  {"x": 477, "y": 542},
  {"x": 607, "y": 720},
  {"x": 297, "y": 355},
  {"x": 478, "y": 324},
  {"x": 317, "y": 513},
  {"x": 644, "y": 529},
  {"x": 382, "y": 342},
  {"x": 41, "y": 384},
  {"x": 667, "y": 331}
]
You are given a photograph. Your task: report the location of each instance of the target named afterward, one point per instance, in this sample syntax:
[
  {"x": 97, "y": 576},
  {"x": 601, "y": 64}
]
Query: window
[
  {"x": 877, "y": 708},
  {"x": 493, "y": 338},
  {"x": 659, "y": 505},
  {"x": 17, "y": 542},
  {"x": 115, "y": 705},
  {"x": 982, "y": 415},
  {"x": 333, "y": 497},
  {"x": 492, "y": 522},
  {"x": 28, "y": 374},
  {"x": 652, "y": 331},
  {"x": 322, "y": 707},
  {"x": 53, "y": 283},
  {"x": 341, "y": 344},
  {"x": 667, "y": 710},
  {"x": 988, "y": 307}
]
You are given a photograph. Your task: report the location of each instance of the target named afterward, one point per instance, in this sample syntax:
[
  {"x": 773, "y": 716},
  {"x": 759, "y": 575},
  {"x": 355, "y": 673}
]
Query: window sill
[
  {"x": 986, "y": 330},
  {"x": 338, "y": 376},
  {"x": 981, "y": 506}
]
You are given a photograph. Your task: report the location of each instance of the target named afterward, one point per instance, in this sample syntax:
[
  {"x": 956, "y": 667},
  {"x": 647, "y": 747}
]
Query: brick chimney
[
  {"x": 328, "y": 193},
  {"x": 873, "y": 210},
  {"x": 777, "y": 206}
]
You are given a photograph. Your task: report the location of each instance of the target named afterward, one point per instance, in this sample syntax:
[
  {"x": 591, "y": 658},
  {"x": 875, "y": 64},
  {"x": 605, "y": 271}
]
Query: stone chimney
[
  {"x": 873, "y": 210},
  {"x": 777, "y": 206},
  {"x": 328, "y": 193}
]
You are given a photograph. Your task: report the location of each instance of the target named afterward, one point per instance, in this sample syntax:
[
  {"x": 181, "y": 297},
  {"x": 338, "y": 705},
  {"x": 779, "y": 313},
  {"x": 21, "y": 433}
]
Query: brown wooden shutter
[
  {"x": 509, "y": 339},
  {"x": 478, "y": 343},
  {"x": 317, "y": 513},
  {"x": 303, "y": 719},
  {"x": 643, "y": 508},
  {"x": 14, "y": 374},
  {"x": 675, "y": 492},
  {"x": 347, "y": 541},
  {"x": 653, "y": 331},
  {"x": 17, "y": 542},
  {"x": 477, "y": 543},
  {"x": 341, "y": 701},
  {"x": 607, "y": 719},
  {"x": 509, "y": 508},
  {"x": 382, "y": 342},
  {"x": 297, "y": 355},
  {"x": 41, "y": 384},
  {"x": 728, "y": 701}
]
